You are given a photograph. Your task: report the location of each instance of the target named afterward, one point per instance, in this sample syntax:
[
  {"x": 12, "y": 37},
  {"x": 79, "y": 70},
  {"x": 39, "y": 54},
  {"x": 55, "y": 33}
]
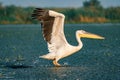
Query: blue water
[{"x": 21, "y": 46}]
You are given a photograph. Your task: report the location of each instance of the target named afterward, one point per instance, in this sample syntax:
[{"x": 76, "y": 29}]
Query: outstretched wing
[
  {"x": 52, "y": 27},
  {"x": 46, "y": 22}
]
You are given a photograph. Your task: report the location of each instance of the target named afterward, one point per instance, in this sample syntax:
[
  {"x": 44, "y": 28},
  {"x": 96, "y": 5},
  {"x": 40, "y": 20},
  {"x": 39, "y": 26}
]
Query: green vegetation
[{"x": 91, "y": 12}]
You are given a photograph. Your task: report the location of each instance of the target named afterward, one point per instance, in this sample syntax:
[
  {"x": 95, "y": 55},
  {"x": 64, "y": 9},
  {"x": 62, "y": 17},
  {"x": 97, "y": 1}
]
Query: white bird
[{"x": 53, "y": 32}]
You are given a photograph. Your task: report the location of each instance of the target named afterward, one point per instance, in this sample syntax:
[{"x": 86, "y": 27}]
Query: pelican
[{"x": 52, "y": 23}]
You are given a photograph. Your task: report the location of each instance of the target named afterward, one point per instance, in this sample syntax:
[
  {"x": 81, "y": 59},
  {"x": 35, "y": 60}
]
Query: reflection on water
[{"x": 20, "y": 46}]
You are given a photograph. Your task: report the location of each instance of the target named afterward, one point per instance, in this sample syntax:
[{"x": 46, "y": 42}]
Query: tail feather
[{"x": 49, "y": 56}]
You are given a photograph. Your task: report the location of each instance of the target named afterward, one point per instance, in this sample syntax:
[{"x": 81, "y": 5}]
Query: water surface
[{"x": 21, "y": 46}]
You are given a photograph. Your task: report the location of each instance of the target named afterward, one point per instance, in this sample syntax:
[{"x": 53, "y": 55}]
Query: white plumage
[{"x": 53, "y": 31}]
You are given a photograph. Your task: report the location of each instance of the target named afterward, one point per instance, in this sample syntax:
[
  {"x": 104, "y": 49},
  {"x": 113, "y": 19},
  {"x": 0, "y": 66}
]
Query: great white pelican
[{"x": 53, "y": 32}]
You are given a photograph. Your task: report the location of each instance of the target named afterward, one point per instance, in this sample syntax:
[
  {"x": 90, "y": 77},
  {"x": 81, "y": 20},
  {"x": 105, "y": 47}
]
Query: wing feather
[{"x": 52, "y": 27}]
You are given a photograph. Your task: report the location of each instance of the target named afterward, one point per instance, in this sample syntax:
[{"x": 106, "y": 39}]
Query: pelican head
[{"x": 84, "y": 34}]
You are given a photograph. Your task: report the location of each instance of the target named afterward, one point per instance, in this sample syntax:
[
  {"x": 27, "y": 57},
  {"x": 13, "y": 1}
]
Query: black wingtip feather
[
  {"x": 39, "y": 13},
  {"x": 39, "y": 9}
]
